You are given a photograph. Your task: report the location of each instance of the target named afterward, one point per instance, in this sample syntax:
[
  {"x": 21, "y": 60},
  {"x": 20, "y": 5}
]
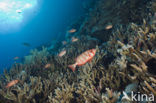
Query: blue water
[{"x": 47, "y": 22}]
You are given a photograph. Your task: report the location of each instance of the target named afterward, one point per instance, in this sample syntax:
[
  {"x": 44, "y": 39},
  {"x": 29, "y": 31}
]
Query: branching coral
[
  {"x": 36, "y": 56},
  {"x": 132, "y": 46},
  {"x": 28, "y": 92},
  {"x": 138, "y": 52},
  {"x": 113, "y": 12},
  {"x": 65, "y": 94}
]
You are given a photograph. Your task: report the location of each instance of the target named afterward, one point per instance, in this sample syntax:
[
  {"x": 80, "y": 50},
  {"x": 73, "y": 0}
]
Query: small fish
[
  {"x": 10, "y": 84},
  {"x": 83, "y": 58},
  {"x": 47, "y": 65},
  {"x": 109, "y": 27},
  {"x": 16, "y": 58},
  {"x": 64, "y": 42},
  {"x": 26, "y": 44},
  {"x": 74, "y": 39},
  {"x": 62, "y": 53},
  {"x": 72, "y": 31}
]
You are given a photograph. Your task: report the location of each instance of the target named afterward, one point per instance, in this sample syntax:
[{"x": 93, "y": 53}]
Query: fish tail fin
[{"x": 72, "y": 67}]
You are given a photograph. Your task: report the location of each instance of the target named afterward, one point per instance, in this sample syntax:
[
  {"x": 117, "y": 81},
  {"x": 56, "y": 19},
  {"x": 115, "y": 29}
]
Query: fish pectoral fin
[{"x": 89, "y": 61}]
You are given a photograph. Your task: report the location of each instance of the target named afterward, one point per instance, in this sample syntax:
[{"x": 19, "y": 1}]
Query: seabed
[{"x": 124, "y": 35}]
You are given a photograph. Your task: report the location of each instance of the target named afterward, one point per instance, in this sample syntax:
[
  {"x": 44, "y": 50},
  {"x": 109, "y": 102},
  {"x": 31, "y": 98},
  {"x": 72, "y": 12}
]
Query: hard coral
[
  {"x": 138, "y": 55},
  {"x": 127, "y": 58}
]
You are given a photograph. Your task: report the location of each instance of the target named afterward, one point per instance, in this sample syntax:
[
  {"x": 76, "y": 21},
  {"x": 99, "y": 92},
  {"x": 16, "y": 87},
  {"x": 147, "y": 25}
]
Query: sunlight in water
[{"x": 11, "y": 11}]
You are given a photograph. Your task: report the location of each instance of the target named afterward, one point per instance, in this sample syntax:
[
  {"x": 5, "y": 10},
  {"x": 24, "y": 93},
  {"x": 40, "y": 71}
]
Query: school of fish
[{"x": 82, "y": 59}]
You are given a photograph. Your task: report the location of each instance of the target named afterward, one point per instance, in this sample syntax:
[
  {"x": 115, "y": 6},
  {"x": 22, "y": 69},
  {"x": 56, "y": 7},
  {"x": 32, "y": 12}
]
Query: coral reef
[
  {"x": 113, "y": 12},
  {"x": 125, "y": 60}
]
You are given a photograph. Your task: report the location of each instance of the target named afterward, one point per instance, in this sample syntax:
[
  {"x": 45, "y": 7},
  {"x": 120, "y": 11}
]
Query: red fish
[
  {"x": 74, "y": 39},
  {"x": 47, "y": 65},
  {"x": 109, "y": 27},
  {"x": 72, "y": 31},
  {"x": 83, "y": 58},
  {"x": 62, "y": 53},
  {"x": 10, "y": 84}
]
